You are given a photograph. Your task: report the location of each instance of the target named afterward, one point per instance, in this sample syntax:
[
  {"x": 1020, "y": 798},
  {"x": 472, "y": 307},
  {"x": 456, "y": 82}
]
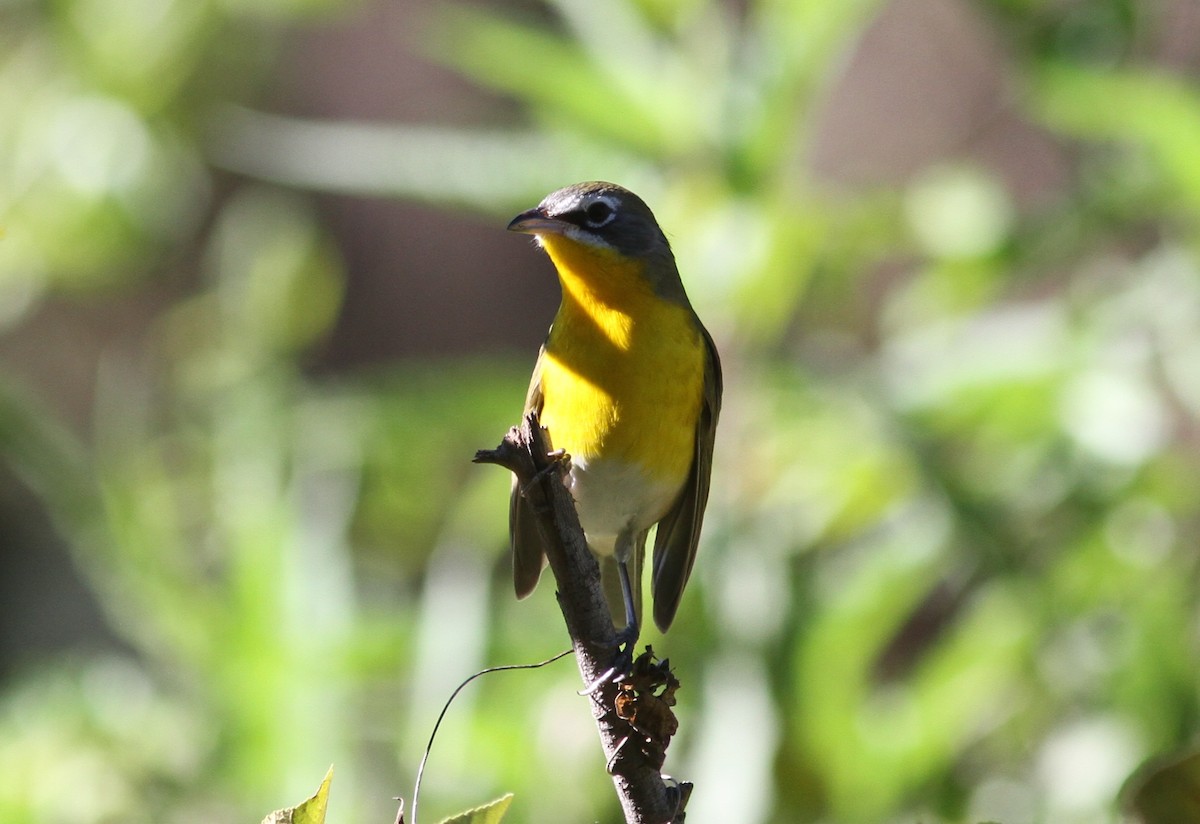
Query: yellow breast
[{"x": 623, "y": 371}]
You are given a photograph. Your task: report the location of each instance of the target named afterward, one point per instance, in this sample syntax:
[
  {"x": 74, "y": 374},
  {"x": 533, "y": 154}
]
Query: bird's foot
[
  {"x": 627, "y": 639},
  {"x": 622, "y": 662},
  {"x": 539, "y": 504}
]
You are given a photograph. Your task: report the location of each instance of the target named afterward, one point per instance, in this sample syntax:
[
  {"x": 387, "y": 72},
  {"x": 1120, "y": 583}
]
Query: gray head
[
  {"x": 601, "y": 213},
  {"x": 607, "y": 216}
]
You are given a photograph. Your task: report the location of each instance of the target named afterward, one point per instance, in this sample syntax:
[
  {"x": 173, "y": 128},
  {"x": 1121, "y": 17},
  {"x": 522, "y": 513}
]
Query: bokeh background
[{"x": 257, "y": 311}]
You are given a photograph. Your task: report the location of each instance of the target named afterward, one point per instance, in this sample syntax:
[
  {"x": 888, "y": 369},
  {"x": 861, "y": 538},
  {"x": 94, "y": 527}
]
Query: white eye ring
[{"x": 600, "y": 212}]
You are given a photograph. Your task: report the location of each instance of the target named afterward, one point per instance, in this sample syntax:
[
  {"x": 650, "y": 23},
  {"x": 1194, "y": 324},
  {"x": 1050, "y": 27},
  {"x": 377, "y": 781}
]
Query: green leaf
[
  {"x": 310, "y": 811},
  {"x": 490, "y": 813}
]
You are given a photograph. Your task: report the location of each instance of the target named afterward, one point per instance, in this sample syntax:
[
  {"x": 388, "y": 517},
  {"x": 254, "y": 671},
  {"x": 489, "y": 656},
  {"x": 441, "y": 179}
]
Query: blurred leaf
[
  {"x": 310, "y": 811},
  {"x": 491, "y": 813},
  {"x": 487, "y": 171},
  {"x": 556, "y": 76},
  {"x": 48, "y": 457},
  {"x": 1168, "y": 793},
  {"x": 1151, "y": 110},
  {"x": 279, "y": 281},
  {"x": 166, "y": 36},
  {"x": 959, "y": 212},
  {"x": 423, "y": 416}
]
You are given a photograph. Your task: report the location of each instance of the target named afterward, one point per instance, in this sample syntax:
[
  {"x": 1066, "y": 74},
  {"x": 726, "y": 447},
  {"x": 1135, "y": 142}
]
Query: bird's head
[{"x": 603, "y": 223}]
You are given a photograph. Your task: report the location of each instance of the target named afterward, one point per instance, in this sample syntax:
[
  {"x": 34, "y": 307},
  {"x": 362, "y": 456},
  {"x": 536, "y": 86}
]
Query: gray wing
[
  {"x": 679, "y": 530},
  {"x": 529, "y": 556}
]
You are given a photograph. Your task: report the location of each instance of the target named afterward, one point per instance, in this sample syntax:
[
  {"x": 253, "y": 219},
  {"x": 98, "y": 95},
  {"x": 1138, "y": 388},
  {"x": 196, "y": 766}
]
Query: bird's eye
[{"x": 598, "y": 214}]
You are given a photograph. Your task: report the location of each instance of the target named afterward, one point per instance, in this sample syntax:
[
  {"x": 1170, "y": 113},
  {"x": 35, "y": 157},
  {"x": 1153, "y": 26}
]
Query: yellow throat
[{"x": 623, "y": 371}]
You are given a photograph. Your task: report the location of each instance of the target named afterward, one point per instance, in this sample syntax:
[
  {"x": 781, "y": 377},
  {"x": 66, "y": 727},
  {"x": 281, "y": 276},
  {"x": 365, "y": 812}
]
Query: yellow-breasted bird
[{"x": 628, "y": 383}]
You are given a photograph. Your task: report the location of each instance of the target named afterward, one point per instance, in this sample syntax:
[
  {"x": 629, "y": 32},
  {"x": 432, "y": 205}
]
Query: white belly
[{"x": 613, "y": 497}]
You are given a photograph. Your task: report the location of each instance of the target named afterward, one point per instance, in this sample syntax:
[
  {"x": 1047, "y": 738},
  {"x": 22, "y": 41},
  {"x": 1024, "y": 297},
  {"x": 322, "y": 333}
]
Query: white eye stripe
[{"x": 587, "y": 237}]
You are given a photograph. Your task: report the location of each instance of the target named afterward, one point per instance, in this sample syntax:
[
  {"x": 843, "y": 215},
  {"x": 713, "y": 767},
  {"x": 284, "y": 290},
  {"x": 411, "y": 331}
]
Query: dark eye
[{"x": 598, "y": 213}]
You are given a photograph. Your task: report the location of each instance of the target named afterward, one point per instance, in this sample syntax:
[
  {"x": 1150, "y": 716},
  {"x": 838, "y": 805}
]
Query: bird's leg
[{"x": 627, "y": 637}]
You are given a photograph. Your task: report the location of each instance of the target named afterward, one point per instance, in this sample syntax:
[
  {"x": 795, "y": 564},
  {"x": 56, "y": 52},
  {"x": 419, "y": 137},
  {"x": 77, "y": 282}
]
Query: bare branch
[{"x": 634, "y": 738}]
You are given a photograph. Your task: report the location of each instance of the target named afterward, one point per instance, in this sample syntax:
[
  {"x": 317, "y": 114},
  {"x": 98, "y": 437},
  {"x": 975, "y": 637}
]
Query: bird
[{"x": 628, "y": 384}]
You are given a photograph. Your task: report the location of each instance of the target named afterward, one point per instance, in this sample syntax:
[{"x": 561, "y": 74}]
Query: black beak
[{"x": 536, "y": 222}]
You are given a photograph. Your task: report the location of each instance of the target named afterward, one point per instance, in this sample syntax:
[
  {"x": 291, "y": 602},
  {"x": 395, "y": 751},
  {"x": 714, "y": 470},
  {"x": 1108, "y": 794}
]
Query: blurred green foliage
[{"x": 949, "y": 569}]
